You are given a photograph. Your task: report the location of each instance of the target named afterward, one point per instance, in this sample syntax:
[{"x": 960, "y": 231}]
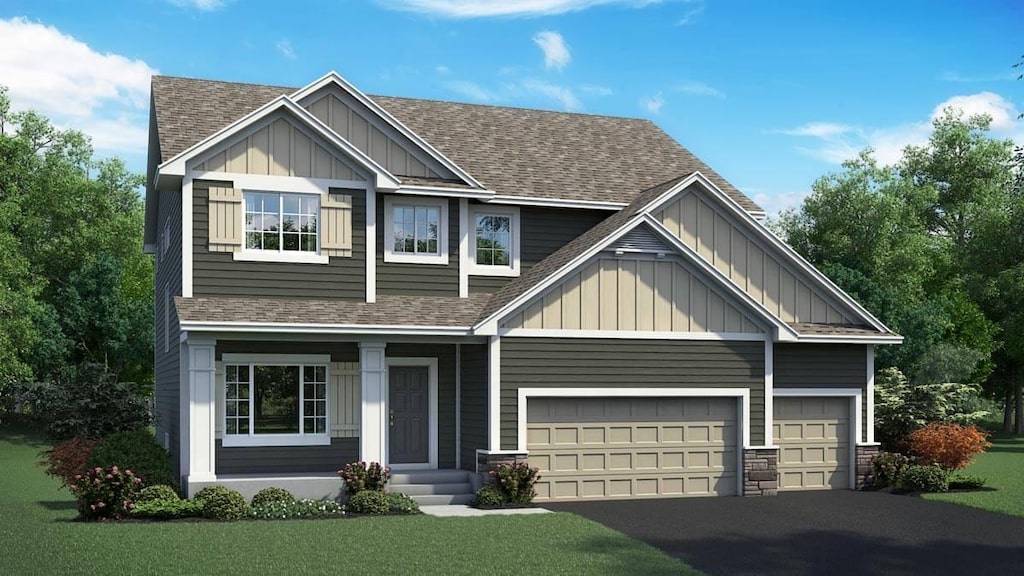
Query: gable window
[
  {"x": 281, "y": 222},
  {"x": 275, "y": 402},
  {"x": 415, "y": 230},
  {"x": 494, "y": 241}
]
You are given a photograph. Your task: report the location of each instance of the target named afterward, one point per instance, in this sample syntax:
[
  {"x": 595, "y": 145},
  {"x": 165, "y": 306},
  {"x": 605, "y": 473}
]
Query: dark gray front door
[{"x": 409, "y": 416}]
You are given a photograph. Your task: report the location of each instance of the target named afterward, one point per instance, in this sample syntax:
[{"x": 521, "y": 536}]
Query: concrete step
[
  {"x": 442, "y": 499},
  {"x": 427, "y": 489},
  {"x": 429, "y": 477}
]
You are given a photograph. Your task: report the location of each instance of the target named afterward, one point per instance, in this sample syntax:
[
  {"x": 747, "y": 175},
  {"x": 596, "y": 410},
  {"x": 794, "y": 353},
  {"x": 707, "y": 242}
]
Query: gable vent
[{"x": 640, "y": 239}]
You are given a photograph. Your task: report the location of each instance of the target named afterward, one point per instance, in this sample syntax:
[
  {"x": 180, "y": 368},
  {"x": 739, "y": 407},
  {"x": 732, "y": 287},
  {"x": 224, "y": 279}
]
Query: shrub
[
  {"x": 966, "y": 482},
  {"x": 951, "y": 446},
  {"x": 68, "y": 459},
  {"x": 489, "y": 496},
  {"x": 280, "y": 510},
  {"x": 221, "y": 503},
  {"x": 516, "y": 481},
  {"x": 167, "y": 509},
  {"x": 139, "y": 451},
  {"x": 105, "y": 492},
  {"x": 901, "y": 406},
  {"x": 399, "y": 503},
  {"x": 888, "y": 466},
  {"x": 157, "y": 492},
  {"x": 920, "y": 478},
  {"x": 369, "y": 502},
  {"x": 359, "y": 476},
  {"x": 270, "y": 495}
]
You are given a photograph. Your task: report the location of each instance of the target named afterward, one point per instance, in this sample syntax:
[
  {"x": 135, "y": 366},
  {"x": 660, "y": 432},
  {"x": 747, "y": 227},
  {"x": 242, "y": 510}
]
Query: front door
[{"x": 409, "y": 415}]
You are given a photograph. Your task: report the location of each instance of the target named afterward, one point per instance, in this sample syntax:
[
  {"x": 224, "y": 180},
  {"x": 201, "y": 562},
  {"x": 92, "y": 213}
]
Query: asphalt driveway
[{"x": 832, "y": 533}]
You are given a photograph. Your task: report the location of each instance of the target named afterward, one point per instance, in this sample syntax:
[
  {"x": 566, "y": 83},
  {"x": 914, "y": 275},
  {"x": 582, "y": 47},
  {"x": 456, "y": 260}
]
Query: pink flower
[
  {"x": 110, "y": 476},
  {"x": 114, "y": 469},
  {"x": 92, "y": 506},
  {"x": 102, "y": 504}
]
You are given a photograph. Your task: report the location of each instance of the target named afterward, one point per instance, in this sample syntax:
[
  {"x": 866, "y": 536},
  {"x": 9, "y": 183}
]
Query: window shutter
[
  {"x": 226, "y": 230},
  {"x": 336, "y": 225}
]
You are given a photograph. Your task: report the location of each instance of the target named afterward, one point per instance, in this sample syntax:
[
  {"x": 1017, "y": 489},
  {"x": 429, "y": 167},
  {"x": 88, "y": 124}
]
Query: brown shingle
[{"x": 812, "y": 329}]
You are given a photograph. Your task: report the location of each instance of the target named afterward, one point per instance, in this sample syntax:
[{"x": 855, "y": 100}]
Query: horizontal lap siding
[
  {"x": 823, "y": 366},
  {"x": 445, "y": 354},
  {"x": 167, "y": 368},
  {"x": 614, "y": 363},
  {"x": 218, "y": 274},
  {"x": 474, "y": 403},
  {"x": 419, "y": 279},
  {"x": 286, "y": 459}
]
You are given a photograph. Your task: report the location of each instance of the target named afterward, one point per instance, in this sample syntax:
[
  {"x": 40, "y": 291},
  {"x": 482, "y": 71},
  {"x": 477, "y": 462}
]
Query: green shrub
[
  {"x": 105, "y": 492},
  {"x": 490, "y": 496},
  {"x": 369, "y": 502},
  {"x": 918, "y": 478},
  {"x": 271, "y": 495},
  {"x": 516, "y": 481},
  {"x": 221, "y": 503},
  {"x": 966, "y": 482},
  {"x": 168, "y": 509},
  {"x": 359, "y": 476},
  {"x": 280, "y": 510},
  {"x": 399, "y": 503},
  {"x": 157, "y": 492},
  {"x": 137, "y": 450},
  {"x": 902, "y": 406},
  {"x": 888, "y": 466}
]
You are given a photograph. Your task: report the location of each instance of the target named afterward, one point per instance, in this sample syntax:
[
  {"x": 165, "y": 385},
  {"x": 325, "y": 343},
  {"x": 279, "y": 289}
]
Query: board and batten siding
[
  {"x": 634, "y": 294},
  {"x": 624, "y": 363},
  {"x": 543, "y": 231},
  {"x": 219, "y": 274},
  {"x": 474, "y": 403},
  {"x": 704, "y": 225},
  {"x": 405, "y": 279},
  {"x": 166, "y": 364},
  {"x": 824, "y": 366},
  {"x": 445, "y": 354}
]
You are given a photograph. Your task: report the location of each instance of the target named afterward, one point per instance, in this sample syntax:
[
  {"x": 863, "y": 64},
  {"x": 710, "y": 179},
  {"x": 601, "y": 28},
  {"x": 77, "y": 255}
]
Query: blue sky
[{"x": 771, "y": 94}]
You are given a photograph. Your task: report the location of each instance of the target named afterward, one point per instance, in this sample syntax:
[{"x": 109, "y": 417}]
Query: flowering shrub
[
  {"x": 888, "y": 467},
  {"x": 271, "y": 495},
  {"x": 280, "y": 510},
  {"x": 68, "y": 459},
  {"x": 138, "y": 450},
  {"x": 105, "y": 492},
  {"x": 399, "y": 503},
  {"x": 516, "y": 481},
  {"x": 360, "y": 476},
  {"x": 950, "y": 446},
  {"x": 369, "y": 502}
]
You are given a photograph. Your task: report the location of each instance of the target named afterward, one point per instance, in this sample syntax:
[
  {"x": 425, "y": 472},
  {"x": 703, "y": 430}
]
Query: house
[{"x": 441, "y": 286}]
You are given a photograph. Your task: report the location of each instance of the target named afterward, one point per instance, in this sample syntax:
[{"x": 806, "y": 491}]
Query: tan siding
[{"x": 347, "y": 406}]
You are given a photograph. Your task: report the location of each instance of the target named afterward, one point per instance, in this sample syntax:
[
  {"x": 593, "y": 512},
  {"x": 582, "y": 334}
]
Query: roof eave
[{"x": 304, "y": 328}]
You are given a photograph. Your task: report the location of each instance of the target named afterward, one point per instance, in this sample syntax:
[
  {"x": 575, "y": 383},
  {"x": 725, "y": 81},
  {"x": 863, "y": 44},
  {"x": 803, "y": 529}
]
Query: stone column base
[
  {"x": 761, "y": 472},
  {"x": 865, "y": 473},
  {"x": 485, "y": 462}
]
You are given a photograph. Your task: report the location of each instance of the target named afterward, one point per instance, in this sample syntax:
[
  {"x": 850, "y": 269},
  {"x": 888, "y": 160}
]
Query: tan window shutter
[
  {"x": 226, "y": 230},
  {"x": 336, "y": 225}
]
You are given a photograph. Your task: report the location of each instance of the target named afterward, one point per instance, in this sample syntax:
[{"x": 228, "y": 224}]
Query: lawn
[
  {"x": 40, "y": 537},
  {"x": 1003, "y": 467}
]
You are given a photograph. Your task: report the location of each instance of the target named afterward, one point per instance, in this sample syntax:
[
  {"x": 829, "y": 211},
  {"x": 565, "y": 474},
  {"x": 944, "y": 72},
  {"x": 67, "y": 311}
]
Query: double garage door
[{"x": 605, "y": 448}]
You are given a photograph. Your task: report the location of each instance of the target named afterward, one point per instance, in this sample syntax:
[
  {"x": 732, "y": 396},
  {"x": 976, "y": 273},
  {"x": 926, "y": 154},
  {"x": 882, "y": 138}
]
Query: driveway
[{"x": 832, "y": 533}]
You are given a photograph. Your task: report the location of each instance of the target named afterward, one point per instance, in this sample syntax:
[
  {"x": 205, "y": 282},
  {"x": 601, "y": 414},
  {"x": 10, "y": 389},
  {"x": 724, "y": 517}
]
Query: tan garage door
[
  {"x": 604, "y": 448},
  {"x": 813, "y": 435}
]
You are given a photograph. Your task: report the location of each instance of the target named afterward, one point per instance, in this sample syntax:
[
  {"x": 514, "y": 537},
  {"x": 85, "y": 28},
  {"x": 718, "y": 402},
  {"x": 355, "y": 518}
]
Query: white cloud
[
  {"x": 1003, "y": 112},
  {"x": 698, "y": 88},
  {"x": 691, "y": 15},
  {"x": 285, "y": 48},
  {"x": 556, "y": 52},
  {"x": 442, "y": 69},
  {"x": 653, "y": 104},
  {"x": 104, "y": 95},
  {"x": 490, "y": 8},
  {"x": 204, "y": 5},
  {"x": 819, "y": 130},
  {"x": 596, "y": 90},
  {"x": 471, "y": 90},
  {"x": 774, "y": 204},
  {"x": 564, "y": 96},
  {"x": 953, "y": 76}
]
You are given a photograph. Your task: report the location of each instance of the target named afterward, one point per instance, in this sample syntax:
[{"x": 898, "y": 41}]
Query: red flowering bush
[
  {"x": 105, "y": 492},
  {"x": 360, "y": 476},
  {"x": 950, "y": 446},
  {"x": 68, "y": 459},
  {"x": 516, "y": 481}
]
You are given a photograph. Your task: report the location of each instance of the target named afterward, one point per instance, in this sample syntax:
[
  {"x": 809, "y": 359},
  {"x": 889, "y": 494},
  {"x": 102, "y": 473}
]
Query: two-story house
[{"x": 440, "y": 286}]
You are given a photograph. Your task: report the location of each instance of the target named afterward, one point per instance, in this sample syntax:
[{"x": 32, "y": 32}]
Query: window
[
  {"x": 494, "y": 245},
  {"x": 281, "y": 222},
  {"x": 275, "y": 403},
  {"x": 415, "y": 230}
]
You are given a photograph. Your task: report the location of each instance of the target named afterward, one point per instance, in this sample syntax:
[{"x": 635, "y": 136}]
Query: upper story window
[
  {"x": 281, "y": 222},
  {"x": 415, "y": 230},
  {"x": 494, "y": 244}
]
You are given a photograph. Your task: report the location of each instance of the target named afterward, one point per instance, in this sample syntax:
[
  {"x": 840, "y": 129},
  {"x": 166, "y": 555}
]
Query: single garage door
[
  {"x": 604, "y": 448},
  {"x": 813, "y": 435}
]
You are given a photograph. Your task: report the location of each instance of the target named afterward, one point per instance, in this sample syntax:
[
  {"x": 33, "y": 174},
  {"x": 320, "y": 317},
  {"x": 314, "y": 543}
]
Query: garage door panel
[{"x": 813, "y": 438}]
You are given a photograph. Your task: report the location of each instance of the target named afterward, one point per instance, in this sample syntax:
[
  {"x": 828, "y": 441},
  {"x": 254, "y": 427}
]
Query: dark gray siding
[
  {"x": 166, "y": 364},
  {"x": 474, "y": 403},
  {"x": 824, "y": 366},
  {"x": 544, "y": 230},
  {"x": 286, "y": 459},
  {"x": 613, "y": 363},
  {"x": 445, "y": 354},
  {"x": 419, "y": 279},
  {"x": 218, "y": 274},
  {"x": 339, "y": 351}
]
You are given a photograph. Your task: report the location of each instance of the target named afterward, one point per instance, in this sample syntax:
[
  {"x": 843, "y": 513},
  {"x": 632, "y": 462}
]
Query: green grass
[
  {"x": 39, "y": 536},
  {"x": 1002, "y": 466}
]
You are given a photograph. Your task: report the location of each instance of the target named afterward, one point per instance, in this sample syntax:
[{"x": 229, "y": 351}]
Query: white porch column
[
  {"x": 870, "y": 391},
  {"x": 373, "y": 378},
  {"x": 494, "y": 394},
  {"x": 200, "y": 403}
]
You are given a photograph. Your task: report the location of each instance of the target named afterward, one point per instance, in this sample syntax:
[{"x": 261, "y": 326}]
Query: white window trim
[
  {"x": 514, "y": 250},
  {"x": 289, "y": 256},
  {"x": 252, "y": 439},
  {"x": 442, "y": 233}
]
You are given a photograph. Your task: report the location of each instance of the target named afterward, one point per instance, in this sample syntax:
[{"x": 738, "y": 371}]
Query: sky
[{"x": 771, "y": 94}]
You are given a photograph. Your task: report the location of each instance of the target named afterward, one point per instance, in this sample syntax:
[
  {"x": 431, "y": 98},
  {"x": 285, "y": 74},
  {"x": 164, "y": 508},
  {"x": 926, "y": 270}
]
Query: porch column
[
  {"x": 198, "y": 402},
  {"x": 373, "y": 379}
]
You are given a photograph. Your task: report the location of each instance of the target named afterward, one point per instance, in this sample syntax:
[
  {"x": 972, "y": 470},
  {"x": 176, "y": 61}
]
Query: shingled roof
[{"x": 513, "y": 151}]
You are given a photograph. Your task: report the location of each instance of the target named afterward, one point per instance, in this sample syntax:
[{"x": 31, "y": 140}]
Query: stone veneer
[
  {"x": 761, "y": 472},
  {"x": 486, "y": 462},
  {"x": 865, "y": 470}
]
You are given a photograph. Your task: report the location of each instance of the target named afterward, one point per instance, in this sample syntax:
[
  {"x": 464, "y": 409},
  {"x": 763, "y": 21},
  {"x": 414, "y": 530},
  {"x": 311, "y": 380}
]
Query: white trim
[
  {"x": 844, "y": 339},
  {"x": 274, "y": 359},
  {"x": 855, "y": 395},
  {"x": 371, "y": 244},
  {"x": 769, "y": 390},
  {"x": 440, "y": 191},
  {"x": 458, "y": 406},
  {"x": 637, "y": 335},
  {"x": 741, "y": 394},
  {"x": 235, "y": 440},
  {"x": 263, "y": 327},
  {"x": 285, "y": 256},
  {"x": 494, "y": 393},
  {"x": 432, "y": 426},
  {"x": 202, "y": 411},
  {"x": 556, "y": 203},
  {"x": 464, "y": 248},
  {"x": 186, "y": 237},
  {"x": 373, "y": 372},
  {"x": 441, "y": 257},
  {"x": 265, "y": 183},
  {"x": 870, "y": 416},
  {"x": 512, "y": 212}
]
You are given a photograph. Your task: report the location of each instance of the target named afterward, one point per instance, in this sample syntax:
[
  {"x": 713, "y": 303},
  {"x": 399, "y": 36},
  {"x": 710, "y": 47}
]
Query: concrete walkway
[{"x": 463, "y": 510}]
